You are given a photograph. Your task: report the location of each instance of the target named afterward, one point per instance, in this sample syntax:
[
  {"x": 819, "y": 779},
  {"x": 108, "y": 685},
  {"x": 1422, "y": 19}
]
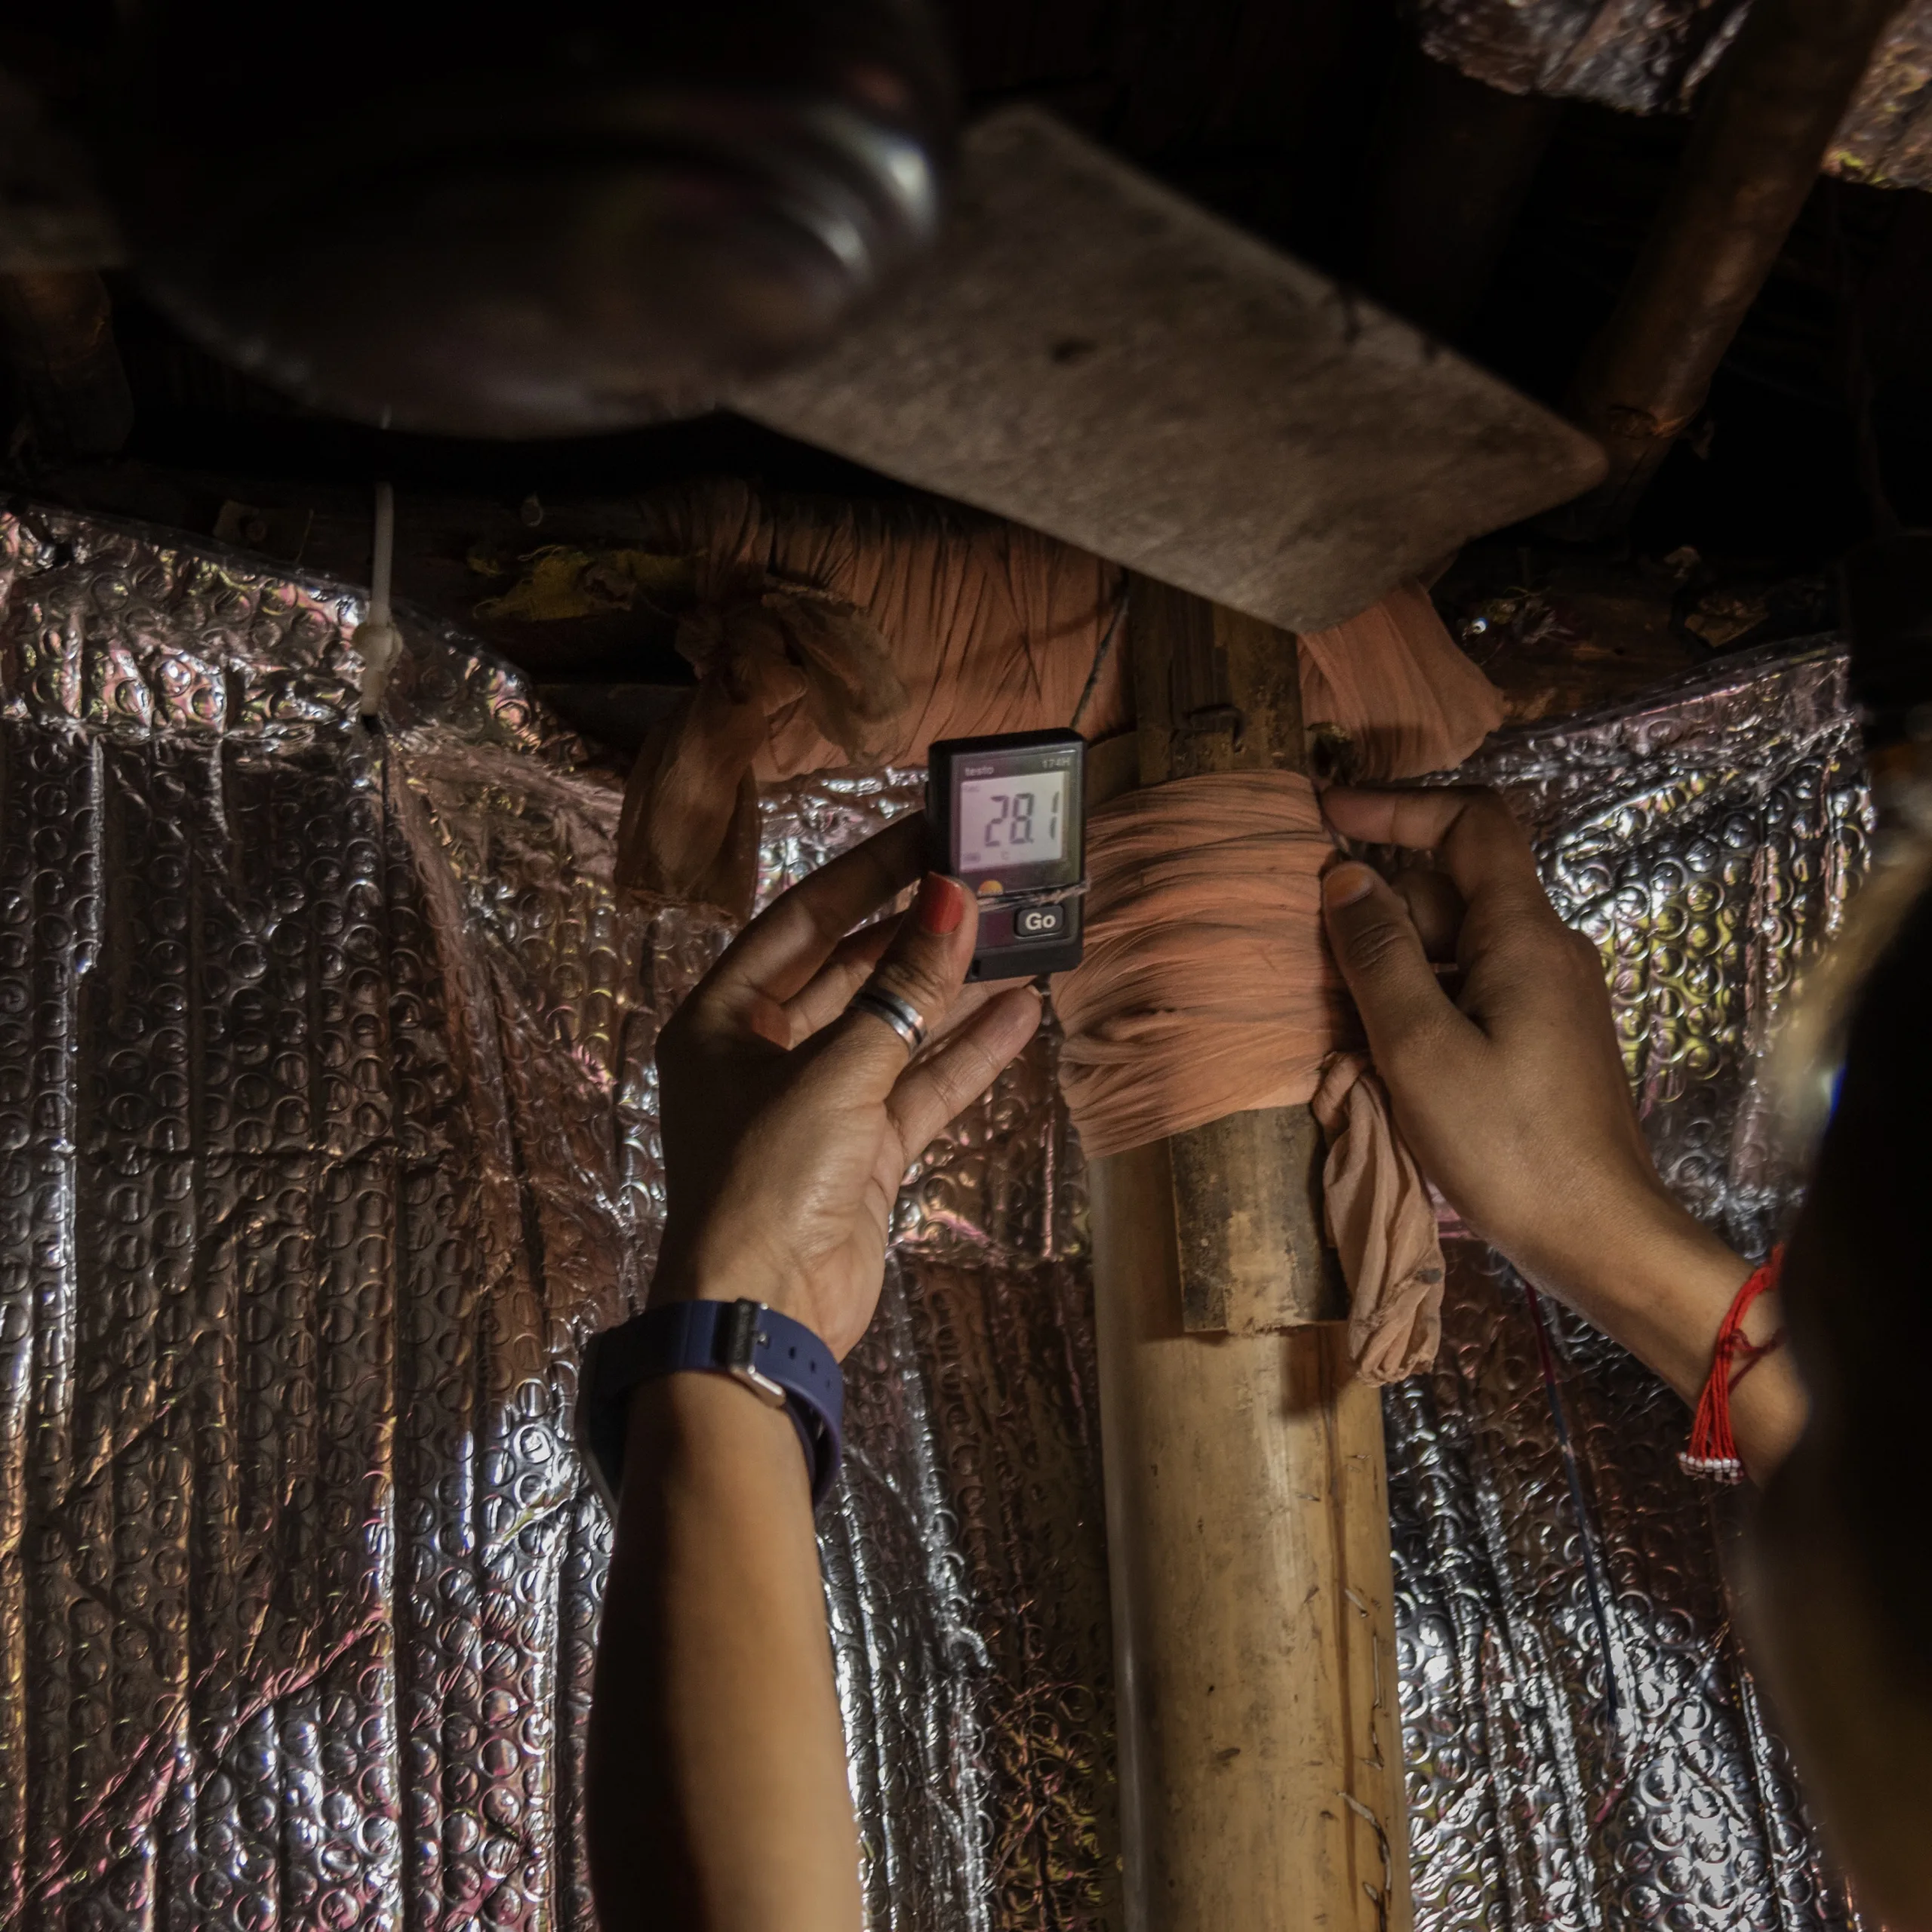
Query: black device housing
[{"x": 1030, "y": 918}]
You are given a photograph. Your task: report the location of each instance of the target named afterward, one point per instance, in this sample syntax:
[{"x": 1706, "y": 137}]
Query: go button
[{"x": 1040, "y": 921}]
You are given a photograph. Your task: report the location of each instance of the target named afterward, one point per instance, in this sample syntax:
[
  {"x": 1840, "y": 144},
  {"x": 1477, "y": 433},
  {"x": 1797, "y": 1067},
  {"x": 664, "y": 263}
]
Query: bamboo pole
[
  {"x": 1762, "y": 132},
  {"x": 1260, "y": 1757}
]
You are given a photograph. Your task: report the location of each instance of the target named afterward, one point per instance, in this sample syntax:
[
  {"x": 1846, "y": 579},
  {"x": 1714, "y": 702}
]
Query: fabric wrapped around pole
[
  {"x": 1207, "y": 990},
  {"x": 828, "y": 634},
  {"x": 1382, "y": 1221}
]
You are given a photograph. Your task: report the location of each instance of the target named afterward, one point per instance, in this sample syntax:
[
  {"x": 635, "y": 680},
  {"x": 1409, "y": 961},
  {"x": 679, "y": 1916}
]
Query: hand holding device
[{"x": 790, "y": 1116}]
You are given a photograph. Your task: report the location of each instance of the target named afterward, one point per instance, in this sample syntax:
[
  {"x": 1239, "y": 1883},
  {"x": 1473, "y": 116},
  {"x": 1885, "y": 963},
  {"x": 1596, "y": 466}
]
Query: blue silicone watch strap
[{"x": 745, "y": 1339}]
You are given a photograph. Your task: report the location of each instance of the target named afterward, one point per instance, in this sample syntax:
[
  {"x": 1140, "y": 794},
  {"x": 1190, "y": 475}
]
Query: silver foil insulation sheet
[{"x": 327, "y": 1133}]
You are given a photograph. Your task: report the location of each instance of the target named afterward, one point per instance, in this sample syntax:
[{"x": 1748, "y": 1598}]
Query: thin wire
[{"x": 1100, "y": 656}]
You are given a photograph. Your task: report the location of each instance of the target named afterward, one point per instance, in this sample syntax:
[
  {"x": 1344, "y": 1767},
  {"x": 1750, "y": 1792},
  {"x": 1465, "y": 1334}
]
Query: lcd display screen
[{"x": 1017, "y": 819}]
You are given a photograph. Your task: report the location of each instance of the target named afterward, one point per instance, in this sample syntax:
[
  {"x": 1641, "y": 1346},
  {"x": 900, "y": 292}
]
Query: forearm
[
  {"x": 718, "y": 1793},
  {"x": 1512, "y": 1094},
  {"x": 1660, "y": 1283}
]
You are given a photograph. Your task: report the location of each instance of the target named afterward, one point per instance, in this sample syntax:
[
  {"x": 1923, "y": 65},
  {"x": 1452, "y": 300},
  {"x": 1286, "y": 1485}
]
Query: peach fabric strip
[
  {"x": 834, "y": 633},
  {"x": 1207, "y": 989},
  {"x": 837, "y": 634},
  {"x": 1381, "y": 1222},
  {"x": 689, "y": 829},
  {"x": 1394, "y": 692},
  {"x": 990, "y": 626}
]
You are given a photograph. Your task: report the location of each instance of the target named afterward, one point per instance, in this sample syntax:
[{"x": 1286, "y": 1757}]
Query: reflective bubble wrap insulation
[{"x": 327, "y": 1132}]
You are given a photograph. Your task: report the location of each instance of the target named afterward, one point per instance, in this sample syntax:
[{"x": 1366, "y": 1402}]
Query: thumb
[
  {"x": 918, "y": 978},
  {"x": 1380, "y": 953}
]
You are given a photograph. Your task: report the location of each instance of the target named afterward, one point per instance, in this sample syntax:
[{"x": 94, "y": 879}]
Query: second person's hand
[
  {"x": 1512, "y": 1094},
  {"x": 788, "y": 1119}
]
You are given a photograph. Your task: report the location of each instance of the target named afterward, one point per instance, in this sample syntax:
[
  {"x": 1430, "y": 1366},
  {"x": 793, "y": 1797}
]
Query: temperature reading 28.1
[{"x": 1012, "y": 820}]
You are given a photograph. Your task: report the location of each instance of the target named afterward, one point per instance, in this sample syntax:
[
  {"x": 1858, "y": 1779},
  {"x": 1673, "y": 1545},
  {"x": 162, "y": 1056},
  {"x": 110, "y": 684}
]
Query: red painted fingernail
[{"x": 942, "y": 903}]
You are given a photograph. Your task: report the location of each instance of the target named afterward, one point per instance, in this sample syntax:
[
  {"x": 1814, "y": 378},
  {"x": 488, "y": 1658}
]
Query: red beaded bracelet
[{"x": 1713, "y": 1449}]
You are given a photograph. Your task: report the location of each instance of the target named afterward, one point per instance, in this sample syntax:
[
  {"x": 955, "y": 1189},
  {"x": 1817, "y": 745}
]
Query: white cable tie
[{"x": 379, "y": 644}]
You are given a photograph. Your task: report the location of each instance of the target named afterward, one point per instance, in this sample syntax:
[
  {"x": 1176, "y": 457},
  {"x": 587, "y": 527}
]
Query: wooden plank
[{"x": 1090, "y": 354}]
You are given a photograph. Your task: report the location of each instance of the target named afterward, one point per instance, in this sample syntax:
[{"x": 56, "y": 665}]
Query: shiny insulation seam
[{"x": 328, "y": 1131}]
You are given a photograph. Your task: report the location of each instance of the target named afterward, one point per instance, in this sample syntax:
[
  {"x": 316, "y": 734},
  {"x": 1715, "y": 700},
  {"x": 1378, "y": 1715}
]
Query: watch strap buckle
[
  {"x": 739, "y": 1338},
  {"x": 780, "y": 1360}
]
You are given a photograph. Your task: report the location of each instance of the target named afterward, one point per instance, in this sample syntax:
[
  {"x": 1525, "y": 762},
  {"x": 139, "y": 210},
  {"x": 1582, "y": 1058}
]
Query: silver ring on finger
[{"x": 900, "y": 1015}]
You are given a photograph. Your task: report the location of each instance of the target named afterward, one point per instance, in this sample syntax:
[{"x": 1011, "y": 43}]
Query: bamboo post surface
[{"x": 1248, "y": 1525}]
